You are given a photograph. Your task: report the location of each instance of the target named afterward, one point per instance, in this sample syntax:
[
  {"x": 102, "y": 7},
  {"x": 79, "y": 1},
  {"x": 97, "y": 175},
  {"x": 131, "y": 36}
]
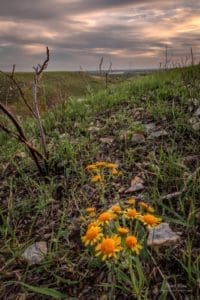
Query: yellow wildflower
[
  {"x": 91, "y": 167},
  {"x": 90, "y": 209},
  {"x": 116, "y": 172},
  {"x": 111, "y": 166},
  {"x": 150, "y": 220},
  {"x": 132, "y": 243},
  {"x": 122, "y": 230},
  {"x": 95, "y": 223},
  {"x": 100, "y": 164},
  {"x": 131, "y": 201},
  {"x": 96, "y": 178},
  {"x": 146, "y": 206},
  {"x": 109, "y": 247},
  {"x": 93, "y": 234},
  {"x": 131, "y": 213},
  {"x": 116, "y": 208},
  {"x": 106, "y": 217},
  {"x": 92, "y": 214}
]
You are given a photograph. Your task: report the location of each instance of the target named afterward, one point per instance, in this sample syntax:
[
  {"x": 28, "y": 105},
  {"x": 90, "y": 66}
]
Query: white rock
[
  {"x": 35, "y": 253},
  {"x": 162, "y": 235},
  {"x": 107, "y": 140},
  {"x": 196, "y": 126},
  {"x": 157, "y": 134},
  {"x": 149, "y": 127},
  {"x": 197, "y": 112},
  {"x": 136, "y": 185},
  {"x": 94, "y": 128}
]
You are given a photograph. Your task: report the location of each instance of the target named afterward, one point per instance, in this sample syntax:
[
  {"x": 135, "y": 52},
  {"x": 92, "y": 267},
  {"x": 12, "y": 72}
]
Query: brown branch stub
[
  {"x": 100, "y": 65},
  {"x": 40, "y": 68},
  {"x": 13, "y": 71},
  {"x": 13, "y": 119},
  {"x": 20, "y": 136}
]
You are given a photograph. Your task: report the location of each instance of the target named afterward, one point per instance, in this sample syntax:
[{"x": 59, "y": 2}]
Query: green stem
[{"x": 133, "y": 278}]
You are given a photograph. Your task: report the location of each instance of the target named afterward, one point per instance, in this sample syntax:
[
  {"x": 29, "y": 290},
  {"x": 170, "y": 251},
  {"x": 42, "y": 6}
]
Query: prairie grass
[{"x": 34, "y": 208}]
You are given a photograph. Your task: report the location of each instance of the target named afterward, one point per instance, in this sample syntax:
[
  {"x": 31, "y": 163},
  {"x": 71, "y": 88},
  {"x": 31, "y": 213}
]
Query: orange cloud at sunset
[{"x": 80, "y": 32}]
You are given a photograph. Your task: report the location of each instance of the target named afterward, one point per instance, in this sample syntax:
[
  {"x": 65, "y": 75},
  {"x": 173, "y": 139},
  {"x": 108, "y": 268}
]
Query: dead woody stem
[
  {"x": 38, "y": 75},
  {"x": 20, "y": 136}
]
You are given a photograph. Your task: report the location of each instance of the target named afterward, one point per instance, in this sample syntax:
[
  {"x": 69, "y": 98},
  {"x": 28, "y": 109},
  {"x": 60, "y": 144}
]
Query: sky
[{"x": 130, "y": 34}]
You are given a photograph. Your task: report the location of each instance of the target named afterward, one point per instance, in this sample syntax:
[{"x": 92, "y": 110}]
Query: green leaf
[{"x": 44, "y": 291}]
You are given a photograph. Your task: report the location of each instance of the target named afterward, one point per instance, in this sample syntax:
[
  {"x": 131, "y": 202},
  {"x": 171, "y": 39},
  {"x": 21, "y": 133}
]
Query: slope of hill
[{"x": 150, "y": 127}]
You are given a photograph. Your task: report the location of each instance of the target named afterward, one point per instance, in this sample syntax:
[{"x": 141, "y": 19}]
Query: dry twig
[
  {"x": 38, "y": 75},
  {"x": 20, "y": 136}
]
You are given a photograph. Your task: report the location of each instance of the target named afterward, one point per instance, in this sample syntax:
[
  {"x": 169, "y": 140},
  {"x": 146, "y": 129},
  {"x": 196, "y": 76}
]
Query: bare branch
[
  {"x": 12, "y": 78},
  {"x": 40, "y": 68},
  {"x": 110, "y": 67},
  {"x": 38, "y": 74},
  {"x": 100, "y": 65},
  {"x": 20, "y": 136},
  {"x": 192, "y": 56},
  {"x": 13, "y": 119},
  {"x": 13, "y": 71}
]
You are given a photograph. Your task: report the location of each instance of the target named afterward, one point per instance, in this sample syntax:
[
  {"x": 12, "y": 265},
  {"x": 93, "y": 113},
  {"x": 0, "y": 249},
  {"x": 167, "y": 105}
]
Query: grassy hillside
[
  {"x": 55, "y": 88},
  {"x": 150, "y": 128}
]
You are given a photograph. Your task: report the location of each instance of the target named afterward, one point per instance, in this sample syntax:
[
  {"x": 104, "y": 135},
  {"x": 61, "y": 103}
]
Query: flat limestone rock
[
  {"x": 149, "y": 127},
  {"x": 107, "y": 140},
  {"x": 162, "y": 235},
  {"x": 94, "y": 128},
  {"x": 197, "y": 112},
  {"x": 158, "y": 134},
  {"x": 136, "y": 185},
  {"x": 34, "y": 254},
  {"x": 195, "y": 123}
]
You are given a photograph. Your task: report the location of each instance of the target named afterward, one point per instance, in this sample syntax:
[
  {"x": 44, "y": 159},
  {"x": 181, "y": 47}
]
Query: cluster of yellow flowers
[
  {"x": 98, "y": 169},
  {"x": 113, "y": 232}
]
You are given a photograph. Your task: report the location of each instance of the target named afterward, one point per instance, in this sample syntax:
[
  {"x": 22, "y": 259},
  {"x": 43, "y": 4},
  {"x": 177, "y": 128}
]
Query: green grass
[
  {"x": 34, "y": 208},
  {"x": 55, "y": 88}
]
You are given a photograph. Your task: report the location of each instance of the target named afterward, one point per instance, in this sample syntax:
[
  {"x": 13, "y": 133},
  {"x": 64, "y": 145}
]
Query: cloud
[{"x": 79, "y": 32}]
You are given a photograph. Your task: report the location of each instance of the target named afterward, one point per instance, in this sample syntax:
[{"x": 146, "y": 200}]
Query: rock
[
  {"x": 149, "y": 127},
  {"x": 93, "y": 128},
  {"x": 20, "y": 154},
  {"x": 162, "y": 235},
  {"x": 193, "y": 103},
  {"x": 136, "y": 185},
  {"x": 63, "y": 135},
  {"x": 122, "y": 190},
  {"x": 194, "y": 121},
  {"x": 196, "y": 126},
  {"x": 35, "y": 253},
  {"x": 158, "y": 134},
  {"x": 138, "y": 138},
  {"x": 197, "y": 112},
  {"x": 107, "y": 140}
]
